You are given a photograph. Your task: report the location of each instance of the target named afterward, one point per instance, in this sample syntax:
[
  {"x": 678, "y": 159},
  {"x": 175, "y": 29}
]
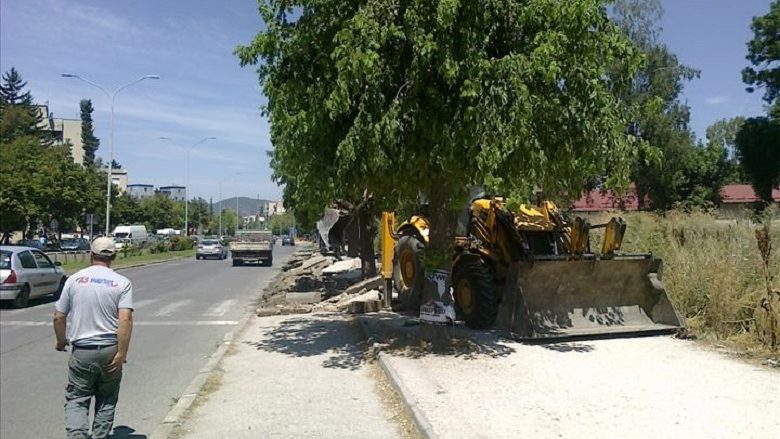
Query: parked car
[
  {"x": 76, "y": 244},
  {"x": 211, "y": 248},
  {"x": 288, "y": 240},
  {"x": 26, "y": 272}
]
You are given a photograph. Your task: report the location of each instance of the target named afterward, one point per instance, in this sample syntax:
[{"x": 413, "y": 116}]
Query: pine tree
[
  {"x": 88, "y": 140},
  {"x": 19, "y": 116},
  {"x": 11, "y": 90}
]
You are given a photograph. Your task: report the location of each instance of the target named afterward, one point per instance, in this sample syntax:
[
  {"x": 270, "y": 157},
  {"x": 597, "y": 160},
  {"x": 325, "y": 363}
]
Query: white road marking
[
  {"x": 171, "y": 308},
  {"x": 136, "y": 323},
  {"x": 219, "y": 309},
  {"x": 142, "y": 303}
]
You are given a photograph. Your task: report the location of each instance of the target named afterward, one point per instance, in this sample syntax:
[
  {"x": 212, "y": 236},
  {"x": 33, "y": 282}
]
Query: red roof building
[
  {"x": 743, "y": 193},
  {"x": 599, "y": 200}
]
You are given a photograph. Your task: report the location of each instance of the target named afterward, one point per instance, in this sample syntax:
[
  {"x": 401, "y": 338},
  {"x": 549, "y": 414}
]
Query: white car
[
  {"x": 211, "y": 248},
  {"x": 26, "y": 272}
]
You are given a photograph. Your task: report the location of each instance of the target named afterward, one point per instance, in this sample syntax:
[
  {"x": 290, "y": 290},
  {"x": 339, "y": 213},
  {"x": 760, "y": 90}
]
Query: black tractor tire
[
  {"x": 474, "y": 292},
  {"x": 22, "y": 299},
  {"x": 408, "y": 271},
  {"x": 58, "y": 293}
]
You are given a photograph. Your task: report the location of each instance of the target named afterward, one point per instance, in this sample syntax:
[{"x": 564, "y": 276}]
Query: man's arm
[
  {"x": 60, "y": 321},
  {"x": 123, "y": 334}
]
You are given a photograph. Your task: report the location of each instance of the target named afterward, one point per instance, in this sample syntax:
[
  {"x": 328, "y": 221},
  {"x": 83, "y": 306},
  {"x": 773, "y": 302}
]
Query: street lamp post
[
  {"x": 187, "y": 182},
  {"x": 112, "y": 97}
]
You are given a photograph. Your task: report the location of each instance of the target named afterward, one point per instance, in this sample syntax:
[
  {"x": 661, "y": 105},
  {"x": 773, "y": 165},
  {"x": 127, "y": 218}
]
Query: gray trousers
[{"x": 87, "y": 378}]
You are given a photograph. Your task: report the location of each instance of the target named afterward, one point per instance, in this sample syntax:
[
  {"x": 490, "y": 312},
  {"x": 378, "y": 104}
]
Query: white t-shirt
[{"x": 92, "y": 298}]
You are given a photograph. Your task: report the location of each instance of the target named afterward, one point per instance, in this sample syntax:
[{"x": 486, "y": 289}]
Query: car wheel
[
  {"x": 58, "y": 293},
  {"x": 22, "y": 300}
]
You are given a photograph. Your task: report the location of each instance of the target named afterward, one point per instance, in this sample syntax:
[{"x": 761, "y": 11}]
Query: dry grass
[{"x": 713, "y": 270}]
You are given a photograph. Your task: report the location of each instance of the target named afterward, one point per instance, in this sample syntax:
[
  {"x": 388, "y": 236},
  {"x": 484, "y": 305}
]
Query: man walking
[{"x": 100, "y": 304}]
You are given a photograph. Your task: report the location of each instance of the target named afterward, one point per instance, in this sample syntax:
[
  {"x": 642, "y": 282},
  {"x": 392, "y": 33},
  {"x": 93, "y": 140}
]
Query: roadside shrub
[
  {"x": 159, "y": 247},
  {"x": 179, "y": 243}
]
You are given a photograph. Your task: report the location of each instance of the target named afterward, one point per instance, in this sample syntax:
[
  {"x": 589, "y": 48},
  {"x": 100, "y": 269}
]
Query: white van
[{"x": 132, "y": 235}]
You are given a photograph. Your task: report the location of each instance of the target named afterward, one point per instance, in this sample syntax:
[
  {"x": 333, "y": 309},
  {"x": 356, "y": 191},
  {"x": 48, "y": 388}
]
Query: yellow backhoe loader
[{"x": 533, "y": 274}]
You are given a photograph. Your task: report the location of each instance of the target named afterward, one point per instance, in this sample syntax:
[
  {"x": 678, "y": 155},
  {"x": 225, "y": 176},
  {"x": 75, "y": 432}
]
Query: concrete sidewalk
[
  {"x": 299, "y": 376},
  {"x": 477, "y": 384}
]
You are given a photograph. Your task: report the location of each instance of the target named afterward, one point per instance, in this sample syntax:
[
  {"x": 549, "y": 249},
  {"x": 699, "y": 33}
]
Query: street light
[
  {"x": 187, "y": 183},
  {"x": 111, "y": 96}
]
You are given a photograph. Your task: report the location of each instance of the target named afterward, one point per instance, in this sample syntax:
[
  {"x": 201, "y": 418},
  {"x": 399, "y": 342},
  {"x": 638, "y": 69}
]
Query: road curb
[
  {"x": 191, "y": 392},
  {"x": 418, "y": 417}
]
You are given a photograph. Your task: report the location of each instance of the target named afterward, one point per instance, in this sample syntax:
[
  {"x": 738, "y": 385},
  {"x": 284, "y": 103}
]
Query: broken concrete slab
[
  {"x": 363, "y": 307},
  {"x": 345, "y": 265},
  {"x": 303, "y": 297},
  {"x": 368, "y": 284},
  {"x": 317, "y": 260}
]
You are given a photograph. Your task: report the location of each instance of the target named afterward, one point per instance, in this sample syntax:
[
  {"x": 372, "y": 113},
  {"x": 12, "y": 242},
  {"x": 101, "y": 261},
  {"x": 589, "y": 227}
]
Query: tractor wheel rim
[
  {"x": 463, "y": 296},
  {"x": 407, "y": 268}
]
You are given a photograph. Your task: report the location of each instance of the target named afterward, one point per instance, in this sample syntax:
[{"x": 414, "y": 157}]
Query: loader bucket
[{"x": 586, "y": 298}]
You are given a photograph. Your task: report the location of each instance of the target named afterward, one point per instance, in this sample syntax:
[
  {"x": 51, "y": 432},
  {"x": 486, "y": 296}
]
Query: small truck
[{"x": 252, "y": 246}]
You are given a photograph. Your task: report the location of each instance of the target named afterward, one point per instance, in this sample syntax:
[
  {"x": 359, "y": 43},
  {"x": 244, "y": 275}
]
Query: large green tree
[
  {"x": 764, "y": 55},
  {"x": 757, "y": 141},
  {"x": 723, "y": 135},
  {"x": 38, "y": 179},
  {"x": 20, "y": 117},
  {"x": 670, "y": 168},
  {"x": 407, "y": 97},
  {"x": 758, "y": 147},
  {"x": 89, "y": 142}
]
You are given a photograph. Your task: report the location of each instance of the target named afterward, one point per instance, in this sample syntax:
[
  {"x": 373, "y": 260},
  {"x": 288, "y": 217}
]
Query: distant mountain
[{"x": 246, "y": 205}]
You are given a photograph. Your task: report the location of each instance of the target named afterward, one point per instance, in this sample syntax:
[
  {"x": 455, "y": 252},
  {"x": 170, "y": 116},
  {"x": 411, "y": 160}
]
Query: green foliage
[
  {"x": 179, "y": 243},
  {"x": 723, "y": 135},
  {"x": 280, "y": 224},
  {"x": 159, "y": 212},
  {"x": 764, "y": 55},
  {"x": 406, "y": 97},
  {"x": 88, "y": 140},
  {"x": 19, "y": 117},
  {"x": 759, "y": 151},
  {"x": 669, "y": 167},
  {"x": 42, "y": 183}
]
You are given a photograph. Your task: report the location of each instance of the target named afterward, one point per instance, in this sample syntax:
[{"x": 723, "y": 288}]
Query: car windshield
[
  {"x": 121, "y": 235},
  {"x": 5, "y": 260},
  {"x": 69, "y": 242},
  {"x": 210, "y": 242}
]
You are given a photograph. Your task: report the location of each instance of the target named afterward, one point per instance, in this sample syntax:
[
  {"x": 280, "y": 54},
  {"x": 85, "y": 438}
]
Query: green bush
[{"x": 179, "y": 243}]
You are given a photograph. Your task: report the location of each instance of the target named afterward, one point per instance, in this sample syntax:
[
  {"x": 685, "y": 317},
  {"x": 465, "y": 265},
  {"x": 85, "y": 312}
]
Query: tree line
[{"x": 40, "y": 182}]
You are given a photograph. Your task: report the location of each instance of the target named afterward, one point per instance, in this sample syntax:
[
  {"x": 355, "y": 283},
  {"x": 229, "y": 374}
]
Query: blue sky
[{"x": 203, "y": 91}]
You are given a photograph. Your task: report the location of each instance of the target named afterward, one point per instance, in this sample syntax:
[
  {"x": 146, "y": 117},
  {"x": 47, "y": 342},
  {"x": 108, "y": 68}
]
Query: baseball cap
[{"x": 103, "y": 246}]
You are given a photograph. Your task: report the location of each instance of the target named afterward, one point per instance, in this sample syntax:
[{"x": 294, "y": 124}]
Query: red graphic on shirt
[{"x": 82, "y": 279}]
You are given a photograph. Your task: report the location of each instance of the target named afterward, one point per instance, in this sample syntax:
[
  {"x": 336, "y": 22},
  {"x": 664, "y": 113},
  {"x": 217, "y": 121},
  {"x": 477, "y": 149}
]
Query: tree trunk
[
  {"x": 366, "y": 231},
  {"x": 443, "y": 222}
]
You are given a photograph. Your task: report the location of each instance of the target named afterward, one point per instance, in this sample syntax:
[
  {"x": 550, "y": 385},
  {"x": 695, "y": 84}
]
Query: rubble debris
[
  {"x": 346, "y": 265},
  {"x": 370, "y": 283},
  {"x": 312, "y": 282},
  {"x": 304, "y": 298}
]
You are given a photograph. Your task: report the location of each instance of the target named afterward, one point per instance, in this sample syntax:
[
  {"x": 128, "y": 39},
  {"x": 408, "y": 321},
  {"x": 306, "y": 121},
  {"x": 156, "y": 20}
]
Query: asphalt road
[{"x": 183, "y": 309}]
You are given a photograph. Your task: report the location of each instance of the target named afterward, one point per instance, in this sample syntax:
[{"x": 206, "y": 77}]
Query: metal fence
[{"x": 67, "y": 257}]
